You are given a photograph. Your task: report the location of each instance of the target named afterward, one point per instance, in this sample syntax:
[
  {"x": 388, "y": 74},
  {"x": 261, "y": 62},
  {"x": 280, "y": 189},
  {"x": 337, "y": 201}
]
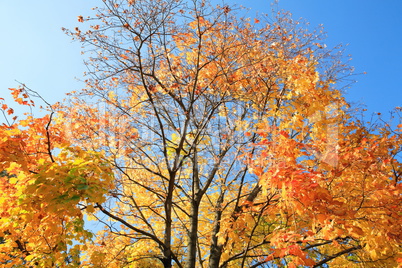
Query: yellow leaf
[
  {"x": 13, "y": 180},
  {"x": 30, "y": 257}
]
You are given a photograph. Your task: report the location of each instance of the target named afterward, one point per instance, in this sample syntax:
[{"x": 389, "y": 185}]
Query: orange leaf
[{"x": 308, "y": 262}]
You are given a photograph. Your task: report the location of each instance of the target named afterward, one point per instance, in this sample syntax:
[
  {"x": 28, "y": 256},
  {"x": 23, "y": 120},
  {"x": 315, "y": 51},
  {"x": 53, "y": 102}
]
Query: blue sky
[{"x": 35, "y": 51}]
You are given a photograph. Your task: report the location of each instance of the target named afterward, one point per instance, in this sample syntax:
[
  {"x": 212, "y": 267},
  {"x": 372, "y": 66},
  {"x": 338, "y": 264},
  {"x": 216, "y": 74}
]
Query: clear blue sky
[{"x": 35, "y": 51}]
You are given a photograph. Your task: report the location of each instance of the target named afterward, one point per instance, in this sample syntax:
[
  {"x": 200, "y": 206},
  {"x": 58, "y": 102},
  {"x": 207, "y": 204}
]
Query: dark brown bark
[
  {"x": 192, "y": 236},
  {"x": 216, "y": 249}
]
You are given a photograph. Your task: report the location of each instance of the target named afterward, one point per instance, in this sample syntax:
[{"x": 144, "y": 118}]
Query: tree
[{"x": 230, "y": 145}]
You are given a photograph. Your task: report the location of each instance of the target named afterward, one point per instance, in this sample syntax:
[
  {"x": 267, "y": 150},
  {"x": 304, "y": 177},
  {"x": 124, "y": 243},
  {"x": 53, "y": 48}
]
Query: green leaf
[
  {"x": 82, "y": 186},
  {"x": 74, "y": 198},
  {"x": 68, "y": 179}
]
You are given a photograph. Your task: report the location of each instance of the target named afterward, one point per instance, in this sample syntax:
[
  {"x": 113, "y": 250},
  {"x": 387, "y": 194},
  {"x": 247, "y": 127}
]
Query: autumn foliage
[
  {"x": 46, "y": 182},
  {"x": 202, "y": 139}
]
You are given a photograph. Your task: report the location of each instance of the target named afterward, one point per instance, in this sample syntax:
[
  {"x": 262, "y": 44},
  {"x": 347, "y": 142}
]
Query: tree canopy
[{"x": 202, "y": 139}]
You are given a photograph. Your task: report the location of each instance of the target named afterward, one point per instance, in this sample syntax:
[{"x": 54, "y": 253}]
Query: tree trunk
[
  {"x": 167, "y": 252},
  {"x": 195, "y": 203},
  {"x": 216, "y": 250},
  {"x": 192, "y": 236}
]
